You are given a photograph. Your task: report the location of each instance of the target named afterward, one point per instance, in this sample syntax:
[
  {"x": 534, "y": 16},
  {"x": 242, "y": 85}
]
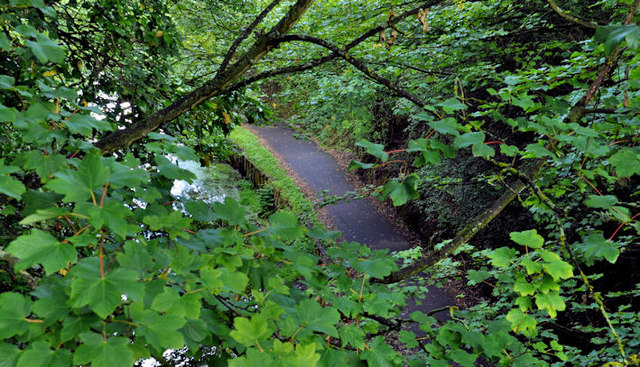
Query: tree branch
[
  {"x": 246, "y": 34},
  {"x": 216, "y": 86},
  {"x": 222, "y": 82},
  {"x": 357, "y": 64},
  {"x": 470, "y": 230},
  {"x": 569, "y": 17}
]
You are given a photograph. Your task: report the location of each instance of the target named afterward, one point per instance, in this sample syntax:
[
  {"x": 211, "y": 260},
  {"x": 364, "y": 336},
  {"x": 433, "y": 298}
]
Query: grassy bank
[{"x": 266, "y": 162}]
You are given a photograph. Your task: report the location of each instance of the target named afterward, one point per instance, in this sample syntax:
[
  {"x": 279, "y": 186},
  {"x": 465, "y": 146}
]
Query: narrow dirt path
[{"x": 358, "y": 220}]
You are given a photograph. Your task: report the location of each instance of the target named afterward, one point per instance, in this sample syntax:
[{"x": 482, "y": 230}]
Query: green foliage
[{"x": 102, "y": 265}]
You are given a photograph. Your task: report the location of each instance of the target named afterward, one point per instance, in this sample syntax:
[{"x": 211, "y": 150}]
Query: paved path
[{"x": 358, "y": 220}]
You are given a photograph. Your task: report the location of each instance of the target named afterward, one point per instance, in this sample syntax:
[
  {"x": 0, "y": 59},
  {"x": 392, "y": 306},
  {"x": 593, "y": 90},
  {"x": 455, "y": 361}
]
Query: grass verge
[{"x": 266, "y": 162}]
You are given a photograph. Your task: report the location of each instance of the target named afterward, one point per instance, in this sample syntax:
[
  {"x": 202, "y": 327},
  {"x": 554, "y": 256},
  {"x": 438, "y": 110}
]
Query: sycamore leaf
[
  {"x": 77, "y": 185},
  {"x": 84, "y": 124},
  {"x": 46, "y": 50},
  {"x": 502, "y": 257},
  {"x": 102, "y": 295},
  {"x": 401, "y": 192},
  {"x": 550, "y": 302},
  {"x": 115, "y": 351},
  {"x": 317, "y": 318},
  {"x": 39, "y": 247},
  {"x": 248, "y": 332},
  {"x": 14, "y": 308},
  {"x": 448, "y": 126},
  {"x": 376, "y": 150},
  {"x": 468, "y": 139},
  {"x": 285, "y": 226},
  {"x": 601, "y": 202},
  {"x": 45, "y": 164},
  {"x": 595, "y": 247},
  {"x": 529, "y": 238},
  {"x": 357, "y": 164},
  {"x": 626, "y": 162},
  {"x": 160, "y": 331},
  {"x": 10, "y": 186},
  {"x": 231, "y": 212},
  {"x": 40, "y": 354},
  {"x": 379, "y": 353},
  {"x": 521, "y": 321},
  {"x": 452, "y": 104}
]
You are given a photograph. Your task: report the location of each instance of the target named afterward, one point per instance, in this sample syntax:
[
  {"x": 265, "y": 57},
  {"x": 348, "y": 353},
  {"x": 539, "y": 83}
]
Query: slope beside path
[{"x": 358, "y": 220}]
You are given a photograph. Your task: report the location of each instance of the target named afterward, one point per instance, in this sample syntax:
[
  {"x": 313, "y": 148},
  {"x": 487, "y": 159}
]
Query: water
[{"x": 212, "y": 184}]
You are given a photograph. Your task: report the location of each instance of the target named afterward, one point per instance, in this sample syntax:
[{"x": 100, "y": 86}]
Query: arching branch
[
  {"x": 123, "y": 138},
  {"x": 246, "y": 34},
  {"x": 358, "y": 64}
]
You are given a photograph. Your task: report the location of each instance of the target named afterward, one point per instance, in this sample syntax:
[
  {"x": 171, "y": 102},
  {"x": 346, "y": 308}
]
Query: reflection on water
[{"x": 212, "y": 184}]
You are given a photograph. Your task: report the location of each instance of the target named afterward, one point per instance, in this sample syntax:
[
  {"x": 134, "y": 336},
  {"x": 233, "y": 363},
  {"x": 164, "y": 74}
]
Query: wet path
[{"x": 358, "y": 220}]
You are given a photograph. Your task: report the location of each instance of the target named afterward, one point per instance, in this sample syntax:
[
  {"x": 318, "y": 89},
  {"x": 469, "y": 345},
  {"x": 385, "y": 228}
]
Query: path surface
[{"x": 358, "y": 220}]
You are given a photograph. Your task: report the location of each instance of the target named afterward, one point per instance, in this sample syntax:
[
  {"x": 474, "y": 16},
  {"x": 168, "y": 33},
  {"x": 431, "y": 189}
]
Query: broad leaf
[{"x": 39, "y": 247}]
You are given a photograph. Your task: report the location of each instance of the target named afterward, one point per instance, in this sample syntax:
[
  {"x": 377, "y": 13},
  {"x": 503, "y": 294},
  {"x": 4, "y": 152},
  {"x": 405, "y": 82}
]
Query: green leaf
[
  {"x": 284, "y": 226},
  {"x": 452, "y": 104},
  {"x": 46, "y": 50},
  {"x": 84, "y": 124},
  {"x": 524, "y": 101},
  {"x": 626, "y": 162},
  {"x": 248, "y": 332},
  {"x": 6, "y": 81},
  {"x": 482, "y": 150},
  {"x": 161, "y": 331},
  {"x": 114, "y": 351},
  {"x": 102, "y": 295},
  {"x": 379, "y": 353},
  {"x": 595, "y": 247},
  {"x": 613, "y": 35},
  {"x": 401, "y": 192},
  {"x": 10, "y": 186},
  {"x": 408, "y": 338},
  {"x": 477, "y": 276},
  {"x": 520, "y": 321},
  {"x": 352, "y": 335},
  {"x": 5, "y": 45},
  {"x": 538, "y": 151},
  {"x": 14, "y": 308},
  {"x": 52, "y": 300},
  {"x": 199, "y": 210},
  {"x": 529, "y": 238},
  {"x": 317, "y": 318},
  {"x": 558, "y": 269},
  {"x": 509, "y": 150},
  {"x": 468, "y": 139},
  {"x": 135, "y": 255},
  {"x": 376, "y": 150},
  {"x": 502, "y": 257},
  {"x": 320, "y": 233},
  {"x": 39, "y": 247},
  {"x": 357, "y": 165},
  {"x": 45, "y": 164},
  {"x": 9, "y": 352},
  {"x": 524, "y": 288},
  {"x": 40, "y": 354},
  {"x": 112, "y": 215},
  {"x": 447, "y": 126},
  {"x": 231, "y": 212},
  {"x": 91, "y": 175},
  {"x": 550, "y": 302},
  {"x": 173, "y": 171},
  {"x": 602, "y": 202}
]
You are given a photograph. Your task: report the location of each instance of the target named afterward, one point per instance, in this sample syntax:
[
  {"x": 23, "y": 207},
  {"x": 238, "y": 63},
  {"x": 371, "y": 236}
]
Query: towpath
[{"x": 358, "y": 220}]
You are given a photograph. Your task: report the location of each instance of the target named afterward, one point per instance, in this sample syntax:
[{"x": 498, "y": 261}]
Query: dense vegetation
[{"x": 101, "y": 265}]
